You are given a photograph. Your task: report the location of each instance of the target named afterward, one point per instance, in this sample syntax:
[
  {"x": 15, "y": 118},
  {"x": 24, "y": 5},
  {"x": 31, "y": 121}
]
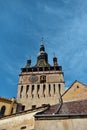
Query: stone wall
[{"x": 61, "y": 124}]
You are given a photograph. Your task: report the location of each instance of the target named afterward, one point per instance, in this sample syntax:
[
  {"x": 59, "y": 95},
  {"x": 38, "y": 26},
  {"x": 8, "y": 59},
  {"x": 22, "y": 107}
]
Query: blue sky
[{"x": 62, "y": 23}]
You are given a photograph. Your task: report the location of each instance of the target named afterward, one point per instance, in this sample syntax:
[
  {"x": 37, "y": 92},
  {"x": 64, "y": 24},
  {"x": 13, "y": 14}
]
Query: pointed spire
[{"x": 42, "y": 48}]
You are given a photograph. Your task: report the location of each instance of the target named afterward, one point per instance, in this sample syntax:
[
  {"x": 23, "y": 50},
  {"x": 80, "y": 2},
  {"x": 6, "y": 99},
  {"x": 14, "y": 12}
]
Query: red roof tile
[{"x": 74, "y": 107}]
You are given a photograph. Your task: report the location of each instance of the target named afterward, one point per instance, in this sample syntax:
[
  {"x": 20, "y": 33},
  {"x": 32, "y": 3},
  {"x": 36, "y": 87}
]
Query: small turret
[
  {"x": 55, "y": 61},
  {"x": 28, "y": 63}
]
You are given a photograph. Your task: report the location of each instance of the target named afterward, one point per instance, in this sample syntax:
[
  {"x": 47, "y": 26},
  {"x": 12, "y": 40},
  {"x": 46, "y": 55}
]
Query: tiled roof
[{"x": 74, "y": 107}]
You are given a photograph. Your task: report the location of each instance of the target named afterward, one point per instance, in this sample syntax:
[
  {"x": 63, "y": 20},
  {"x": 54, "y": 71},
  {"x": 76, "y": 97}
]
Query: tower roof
[
  {"x": 42, "y": 57},
  {"x": 42, "y": 62}
]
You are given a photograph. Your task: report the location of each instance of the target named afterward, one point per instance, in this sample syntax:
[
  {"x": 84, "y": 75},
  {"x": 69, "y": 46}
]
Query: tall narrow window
[
  {"x": 54, "y": 88},
  {"x": 38, "y": 87},
  {"x": 32, "y": 91},
  {"x": 44, "y": 87},
  {"x": 27, "y": 89},
  {"x": 21, "y": 88},
  {"x": 21, "y": 91},
  {"x": 49, "y": 90},
  {"x": 59, "y": 88}
]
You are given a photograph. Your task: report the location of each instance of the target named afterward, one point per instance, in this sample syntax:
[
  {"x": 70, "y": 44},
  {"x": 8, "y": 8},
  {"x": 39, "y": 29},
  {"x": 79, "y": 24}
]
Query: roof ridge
[
  {"x": 74, "y": 101},
  {"x": 5, "y": 98}
]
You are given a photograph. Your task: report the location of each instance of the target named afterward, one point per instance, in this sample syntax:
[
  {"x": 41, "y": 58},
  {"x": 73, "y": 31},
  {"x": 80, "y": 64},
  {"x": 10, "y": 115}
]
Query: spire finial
[
  {"x": 42, "y": 40},
  {"x": 29, "y": 57}
]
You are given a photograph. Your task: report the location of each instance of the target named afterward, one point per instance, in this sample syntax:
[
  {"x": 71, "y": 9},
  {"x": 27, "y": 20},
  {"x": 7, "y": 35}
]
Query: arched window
[{"x": 3, "y": 108}]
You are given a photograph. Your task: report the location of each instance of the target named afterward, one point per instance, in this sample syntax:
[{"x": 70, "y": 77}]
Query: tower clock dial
[{"x": 33, "y": 78}]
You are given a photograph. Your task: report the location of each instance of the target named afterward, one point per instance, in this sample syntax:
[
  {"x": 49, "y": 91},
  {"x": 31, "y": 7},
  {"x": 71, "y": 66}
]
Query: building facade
[
  {"x": 7, "y": 106},
  {"x": 40, "y": 84},
  {"x": 42, "y": 102},
  {"x": 77, "y": 91}
]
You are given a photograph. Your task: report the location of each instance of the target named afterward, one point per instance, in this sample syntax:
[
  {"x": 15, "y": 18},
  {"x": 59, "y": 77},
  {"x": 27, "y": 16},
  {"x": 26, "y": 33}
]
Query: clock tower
[{"x": 40, "y": 84}]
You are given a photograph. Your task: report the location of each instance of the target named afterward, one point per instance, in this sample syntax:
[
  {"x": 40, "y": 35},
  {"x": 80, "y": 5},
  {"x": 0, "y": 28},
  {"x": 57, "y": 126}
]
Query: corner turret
[
  {"x": 28, "y": 63},
  {"x": 55, "y": 61}
]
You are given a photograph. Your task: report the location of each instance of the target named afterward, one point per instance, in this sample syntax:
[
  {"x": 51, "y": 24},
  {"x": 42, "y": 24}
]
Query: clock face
[{"x": 33, "y": 78}]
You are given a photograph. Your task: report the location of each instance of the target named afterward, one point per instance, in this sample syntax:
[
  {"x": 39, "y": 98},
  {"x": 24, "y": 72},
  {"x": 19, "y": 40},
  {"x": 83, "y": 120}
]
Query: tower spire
[
  {"x": 42, "y": 48},
  {"x": 42, "y": 41}
]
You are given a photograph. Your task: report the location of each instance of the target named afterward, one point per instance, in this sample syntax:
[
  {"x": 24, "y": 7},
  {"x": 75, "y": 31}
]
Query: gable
[{"x": 77, "y": 91}]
